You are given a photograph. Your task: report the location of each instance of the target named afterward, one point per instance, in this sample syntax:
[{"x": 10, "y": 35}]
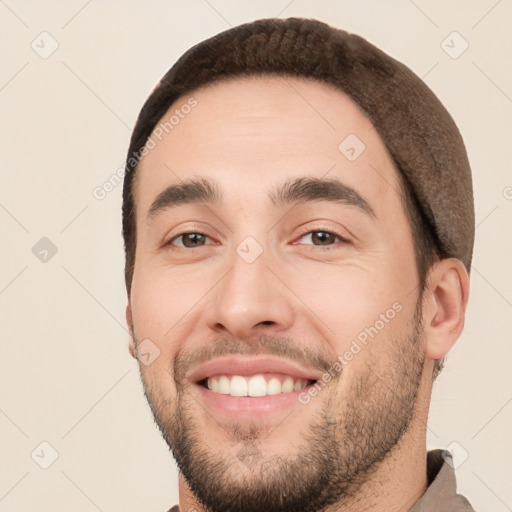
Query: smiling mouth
[{"x": 263, "y": 384}]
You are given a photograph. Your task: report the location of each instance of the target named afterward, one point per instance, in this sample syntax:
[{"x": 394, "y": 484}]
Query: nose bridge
[{"x": 249, "y": 295}]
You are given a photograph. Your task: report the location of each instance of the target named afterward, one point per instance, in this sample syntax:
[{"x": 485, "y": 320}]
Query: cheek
[
  {"x": 165, "y": 300},
  {"x": 358, "y": 301},
  {"x": 155, "y": 308},
  {"x": 346, "y": 304}
]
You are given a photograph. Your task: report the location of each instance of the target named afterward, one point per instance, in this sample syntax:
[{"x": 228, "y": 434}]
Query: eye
[
  {"x": 323, "y": 238},
  {"x": 319, "y": 238},
  {"x": 189, "y": 240}
]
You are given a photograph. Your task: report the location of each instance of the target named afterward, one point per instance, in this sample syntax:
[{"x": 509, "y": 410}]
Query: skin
[{"x": 250, "y": 135}]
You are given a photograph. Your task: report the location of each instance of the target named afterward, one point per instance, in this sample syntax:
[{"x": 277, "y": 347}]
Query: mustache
[{"x": 267, "y": 345}]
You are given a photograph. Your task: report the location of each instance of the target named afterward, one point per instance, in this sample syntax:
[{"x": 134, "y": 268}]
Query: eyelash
[{"x": 342, "y": 240}]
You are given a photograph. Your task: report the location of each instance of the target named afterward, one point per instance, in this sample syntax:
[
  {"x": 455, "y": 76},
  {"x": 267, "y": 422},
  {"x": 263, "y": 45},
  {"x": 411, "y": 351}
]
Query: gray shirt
[{"x": 441, "y": 494}]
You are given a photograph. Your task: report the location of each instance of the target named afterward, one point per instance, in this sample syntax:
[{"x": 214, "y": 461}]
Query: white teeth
[
  {"x": 273, "y": 386},
  {"x": 224, "y": 385},
  {"x": 287, "y": 385},
  {"x": 257, "y": 385},
  {"x": 238, "y": 386}
]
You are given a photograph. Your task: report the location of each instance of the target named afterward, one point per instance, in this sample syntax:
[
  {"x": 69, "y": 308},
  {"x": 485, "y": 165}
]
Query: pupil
[
  {"x": 323, "y": 236},
  {"x": 192, "y": 238}
]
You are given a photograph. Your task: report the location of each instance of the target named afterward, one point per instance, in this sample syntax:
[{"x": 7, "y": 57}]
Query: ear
[
  {"x": 129, "y": 321},
  {"x": 445, "y": 300}
]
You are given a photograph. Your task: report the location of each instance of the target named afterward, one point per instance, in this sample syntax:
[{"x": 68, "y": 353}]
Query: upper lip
[{"x": 246, "y": 366}]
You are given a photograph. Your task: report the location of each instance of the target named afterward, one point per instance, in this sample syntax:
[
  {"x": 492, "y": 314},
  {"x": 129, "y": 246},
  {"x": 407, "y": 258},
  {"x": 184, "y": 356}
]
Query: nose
[{"x": 250, "y": 300}]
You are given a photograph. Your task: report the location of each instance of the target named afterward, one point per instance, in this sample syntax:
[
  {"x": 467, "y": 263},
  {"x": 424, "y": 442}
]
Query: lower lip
[{"x": 249, "y": 407}]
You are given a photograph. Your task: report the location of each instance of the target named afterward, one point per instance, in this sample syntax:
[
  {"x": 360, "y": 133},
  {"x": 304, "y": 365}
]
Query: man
[{"x": 298, "y": 222}]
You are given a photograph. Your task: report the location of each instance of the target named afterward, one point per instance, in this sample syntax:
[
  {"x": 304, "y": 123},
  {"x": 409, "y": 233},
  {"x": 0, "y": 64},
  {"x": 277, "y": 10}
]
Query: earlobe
[
  {"x": 447, "y": 298},
  {"x": 129, "y": 322}
]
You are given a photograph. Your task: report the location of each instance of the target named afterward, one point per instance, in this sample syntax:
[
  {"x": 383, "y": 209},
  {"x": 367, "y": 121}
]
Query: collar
[{"x": 441, "y": 494}]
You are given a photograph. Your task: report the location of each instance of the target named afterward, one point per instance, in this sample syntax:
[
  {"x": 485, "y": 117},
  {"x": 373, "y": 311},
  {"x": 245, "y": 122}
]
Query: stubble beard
[{"x": 335, "y": 458}]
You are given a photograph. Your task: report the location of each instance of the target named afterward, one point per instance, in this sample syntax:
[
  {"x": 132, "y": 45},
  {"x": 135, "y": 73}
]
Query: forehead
[{"x": 249, "y": 134}]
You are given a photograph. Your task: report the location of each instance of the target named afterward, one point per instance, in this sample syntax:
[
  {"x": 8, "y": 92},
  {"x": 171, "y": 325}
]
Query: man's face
[{"x": 275, "y": 281}]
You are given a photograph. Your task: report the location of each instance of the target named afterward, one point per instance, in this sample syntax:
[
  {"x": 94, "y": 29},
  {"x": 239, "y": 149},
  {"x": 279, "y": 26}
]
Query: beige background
[{"x": 65, "y": 376}]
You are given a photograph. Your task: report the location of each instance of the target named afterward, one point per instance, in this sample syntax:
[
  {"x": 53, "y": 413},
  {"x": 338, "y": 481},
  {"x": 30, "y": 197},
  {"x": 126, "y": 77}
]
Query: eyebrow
[
  {"x": 295, "y": 191},
  {"x": 187, "y": 192}
]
